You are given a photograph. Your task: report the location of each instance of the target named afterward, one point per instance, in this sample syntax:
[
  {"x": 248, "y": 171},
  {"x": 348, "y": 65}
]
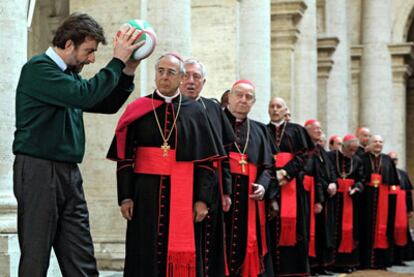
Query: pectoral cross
[
  {"x": 243, "y": 162},
  {"x": 376, "y": 183},
  {"x": 165, "y": 147}
]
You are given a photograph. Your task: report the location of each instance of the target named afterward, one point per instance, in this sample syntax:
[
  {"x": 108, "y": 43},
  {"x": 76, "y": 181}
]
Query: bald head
[
  {"x": 375, "y": 144},
  {"x": 363, "y": 134},
  {"x": 277, "y": 109}
]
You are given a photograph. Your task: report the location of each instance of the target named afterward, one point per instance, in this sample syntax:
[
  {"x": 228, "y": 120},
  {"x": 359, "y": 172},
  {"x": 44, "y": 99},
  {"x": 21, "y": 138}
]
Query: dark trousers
[{"x": 52, "y": 212}]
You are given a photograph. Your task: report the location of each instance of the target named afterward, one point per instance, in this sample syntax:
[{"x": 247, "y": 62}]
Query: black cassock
[
  {"x": 360, "y": 151},
  {"x": 352, "y": 169},
  {"x": 292, "y": 260},
  {"x": 374, "y": 256},
  {"x": 405, "y": 253},
  {"x": 211, "y": 245},
  {"x": 320, "y": 167},
  {"x": 148, "y": 231},
  {"x": 260, "y": 153}
]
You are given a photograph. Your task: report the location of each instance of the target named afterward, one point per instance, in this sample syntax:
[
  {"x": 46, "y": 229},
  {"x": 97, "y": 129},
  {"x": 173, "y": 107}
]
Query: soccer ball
[{"x": 147, "y": 34}]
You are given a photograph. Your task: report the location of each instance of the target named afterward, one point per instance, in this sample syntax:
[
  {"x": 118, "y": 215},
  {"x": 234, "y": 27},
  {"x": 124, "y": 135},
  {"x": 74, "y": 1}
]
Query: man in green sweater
[{"x": 49, "y": 142}]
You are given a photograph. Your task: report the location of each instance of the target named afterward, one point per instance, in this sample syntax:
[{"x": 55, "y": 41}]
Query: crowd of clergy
[{"x": 265, "y": 199}]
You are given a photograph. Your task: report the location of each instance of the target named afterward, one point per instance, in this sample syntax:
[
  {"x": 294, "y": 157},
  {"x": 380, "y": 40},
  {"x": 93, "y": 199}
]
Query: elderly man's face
[
  {"x": 288, "y": 116},
  {"x": 322, "y": 141},
  {"x": 376, "y": 143},
  {"x": 241, "y": 99},
  {"x": 315, "y": 131},
  {"x": 363, "y": 136},
  {"x": 349, "y": 149},
  {"x": 336, "y": 144},
  {"x": 193, "y": 81},
  {"x": 167, "y": 75},
  {"x": 277, "y": 110}
]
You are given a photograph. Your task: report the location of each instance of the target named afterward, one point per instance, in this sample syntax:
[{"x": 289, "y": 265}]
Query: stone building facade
[{"x": 345, "y": 62}]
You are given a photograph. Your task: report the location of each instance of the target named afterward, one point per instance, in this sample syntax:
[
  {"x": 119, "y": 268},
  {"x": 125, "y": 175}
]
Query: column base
[{"x": 110, "y": 255}]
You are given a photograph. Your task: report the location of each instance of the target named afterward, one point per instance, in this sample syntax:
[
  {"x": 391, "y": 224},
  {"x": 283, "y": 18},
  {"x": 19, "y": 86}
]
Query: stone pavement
[{"x": 395, "y": 271}]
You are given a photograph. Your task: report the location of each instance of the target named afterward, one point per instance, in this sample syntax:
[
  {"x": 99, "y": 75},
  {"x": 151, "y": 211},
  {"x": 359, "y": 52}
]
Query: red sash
[
  {"x": 181, "y": 243},
  {"x": 347, "y": 236},
  {"x": 251, "y": 264},
  {"x": 380, "y": 239},
  {"x": 133, "y": 111},
  {"x": 288, "y": 204},
  {"x": 401, "y": 220},
  {"x": 309, "y": 185}
]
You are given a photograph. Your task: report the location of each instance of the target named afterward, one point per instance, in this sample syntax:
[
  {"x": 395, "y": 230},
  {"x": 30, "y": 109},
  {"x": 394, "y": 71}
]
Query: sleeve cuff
[{"x": 116, "y": 64}]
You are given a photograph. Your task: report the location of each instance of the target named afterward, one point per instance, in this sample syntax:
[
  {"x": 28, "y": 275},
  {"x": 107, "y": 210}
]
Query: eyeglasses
[
  {"x": 169, "y": 72},
  {"x": 196, "y": 77}
]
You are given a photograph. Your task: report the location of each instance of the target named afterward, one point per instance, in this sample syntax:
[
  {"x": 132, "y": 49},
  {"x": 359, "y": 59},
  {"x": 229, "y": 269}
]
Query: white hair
[
  {"x": 180, "y": 62},
  {"x": 200, "y": 65}
]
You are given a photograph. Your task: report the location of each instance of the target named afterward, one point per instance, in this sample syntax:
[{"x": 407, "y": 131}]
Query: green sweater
[{"x": 50, "y": 103}]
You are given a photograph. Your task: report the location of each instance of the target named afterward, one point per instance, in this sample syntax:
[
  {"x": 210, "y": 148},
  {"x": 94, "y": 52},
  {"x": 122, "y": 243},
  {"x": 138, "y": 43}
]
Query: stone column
[
  {"x": 410, "y": 131},
  {"x": 401, "y": 55},
  {"x": 353, "y": 108},
  {"x": 172, "y": 24},
  {"x": 254, "y": 53},
  {"x": 285, "y": 16},
  {"x": 216, "y": 45},
  {"x": 13, "y": 45},
  {"x": 326, "y": 48},
  {"x": 305, "y": 102},
  {"x": 376, "y": 75},
  {"x": 338, "y": 86}
]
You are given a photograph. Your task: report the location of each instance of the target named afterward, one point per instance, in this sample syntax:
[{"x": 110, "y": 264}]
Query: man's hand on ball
[{"x": 124, "y": 43}]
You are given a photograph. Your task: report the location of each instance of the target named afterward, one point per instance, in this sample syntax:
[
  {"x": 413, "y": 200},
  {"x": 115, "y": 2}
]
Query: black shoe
[
  {"x": 324, "y": 271},
  {"x": 314, "y": 272},
  {"x": 400, "y": 263},
  {"x": 348, "y": 269}
]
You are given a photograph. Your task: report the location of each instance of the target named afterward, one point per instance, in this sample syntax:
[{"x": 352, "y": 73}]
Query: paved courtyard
[{"x": 394, "y": 271}]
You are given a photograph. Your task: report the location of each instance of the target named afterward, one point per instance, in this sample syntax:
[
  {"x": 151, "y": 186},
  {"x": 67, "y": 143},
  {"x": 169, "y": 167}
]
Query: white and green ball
[{"x": 147, "y": 34}]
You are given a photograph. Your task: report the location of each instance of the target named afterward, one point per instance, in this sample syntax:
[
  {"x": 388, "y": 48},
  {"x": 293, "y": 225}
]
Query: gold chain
[
  {"x": 165, "y": 147},
  {"x": 373, "y": 164},
  {"x": 343, "y": 174}
]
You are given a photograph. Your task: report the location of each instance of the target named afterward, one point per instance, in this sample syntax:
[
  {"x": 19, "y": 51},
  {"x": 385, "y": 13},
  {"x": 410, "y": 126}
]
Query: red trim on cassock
[
  {"x": 401, "y": 220},
  {"x": 347, "y": 236},
  {"x": 252, "y": 265},
  {"x": 309, "y": 185},
  {"x": 380, "y": 239},
  {"x": 288, "y": 206},
  {"x": 133, "y": 111},
  {"x": 181, "y": 255},
  {"x": 218, "y": 166}
]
